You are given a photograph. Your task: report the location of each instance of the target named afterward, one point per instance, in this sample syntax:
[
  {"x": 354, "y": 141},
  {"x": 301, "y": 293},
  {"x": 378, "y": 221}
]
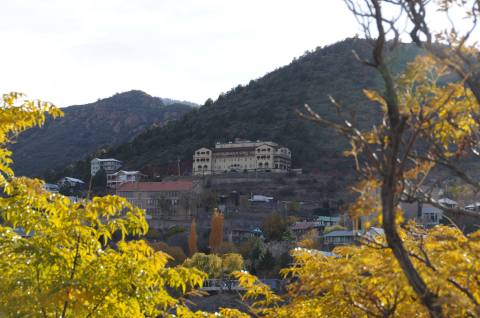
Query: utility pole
[{"x": 178, "y": 166}]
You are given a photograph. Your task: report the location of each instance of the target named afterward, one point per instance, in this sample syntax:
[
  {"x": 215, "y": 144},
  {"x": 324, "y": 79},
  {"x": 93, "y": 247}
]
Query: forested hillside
[
  {"x": 87, "y": 128},
  {"x": 265, "y": 109}
]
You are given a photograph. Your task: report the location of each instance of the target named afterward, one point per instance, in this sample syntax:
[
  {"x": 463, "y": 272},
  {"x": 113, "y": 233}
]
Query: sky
[
  {"x": 74, "y": 52},
  {"x": 77, "y": 51}
]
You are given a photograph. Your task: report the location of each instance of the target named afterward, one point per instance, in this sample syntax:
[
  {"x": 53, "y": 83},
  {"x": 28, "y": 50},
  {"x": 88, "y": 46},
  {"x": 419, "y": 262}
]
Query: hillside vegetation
[
  {"x": 87, "y": 128},
  {"x": 266, "y": 109}
]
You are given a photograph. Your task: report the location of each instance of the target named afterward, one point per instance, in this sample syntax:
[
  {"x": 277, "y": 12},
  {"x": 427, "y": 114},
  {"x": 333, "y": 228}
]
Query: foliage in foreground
[
  {"x": 216, "y": 266},
  {"x": 366, "y": 280},
  {"x": 59, "y": 259}
]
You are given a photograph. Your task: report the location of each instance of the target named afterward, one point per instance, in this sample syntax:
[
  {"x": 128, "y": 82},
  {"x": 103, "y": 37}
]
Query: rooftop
[
  {"x": 246, "y": 148},
  {"x": 106, "y": 159},
  {"x": 339, "y": 233},
  {"x": 182, "y": 185},
  {"x": 447, "y": 201},
  {"x": 126, "y": 172},
  {"x": 305, "y": 225},
  {"x": 73, "y": 180}
]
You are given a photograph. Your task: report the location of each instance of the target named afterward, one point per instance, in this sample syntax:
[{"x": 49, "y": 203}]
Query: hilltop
[
  {"x": 87, "y": 128},
  {"x": 266, "y": 109}
]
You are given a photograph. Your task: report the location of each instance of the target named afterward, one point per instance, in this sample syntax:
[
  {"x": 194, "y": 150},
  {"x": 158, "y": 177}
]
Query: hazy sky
[{"x": 74, "y": 52}]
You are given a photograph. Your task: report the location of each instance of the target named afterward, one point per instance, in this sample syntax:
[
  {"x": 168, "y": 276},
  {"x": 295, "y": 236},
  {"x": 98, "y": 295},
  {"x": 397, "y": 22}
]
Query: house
[
  {"x": 242, "y": 156},
  {"x": 372, "y": 234},
  {"x": 473, "y": 207},
  {"x": 239, "y": 235},
  {"x": 258, "y": 198},
  {"x": 324, "y": 221},
  {"x": 301, "y": 228},
  {"x": 422, "y": 213},
  {"x": 229, "y": 203},
  {"x": 339, "y": 237},
  {"x": 168, "y": 200},
  {"x": 431, "y": 215},
  {"x": 110, "y": 165},
  {"x": 50, "y": 187},
  {"x": 448, "y": 203},
  {"x": 114, "y": 180},
  {"x": 72, "y": 183},
  {"x": 319, "y": 224}
]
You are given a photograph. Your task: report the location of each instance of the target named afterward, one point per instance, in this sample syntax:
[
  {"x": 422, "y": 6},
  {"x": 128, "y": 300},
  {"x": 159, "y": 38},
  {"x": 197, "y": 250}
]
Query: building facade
[
  {"x": 71, "y": 183},
  {"x": 339, "y": 237},
  {"x": 110, "y": 165},
  {"x": 422, "y": 213},
  {"x": 115, "y": 180},
  {"x": 53, "y": 188},
  {"x": 169, "y": 200},
  {"x": 242, "y": 156}
]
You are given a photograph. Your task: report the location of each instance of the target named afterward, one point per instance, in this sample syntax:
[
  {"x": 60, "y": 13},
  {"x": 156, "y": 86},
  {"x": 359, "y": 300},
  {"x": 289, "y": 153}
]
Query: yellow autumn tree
[
  {"x": 216, "y": 232},
  {"x": 430, "y": 123},
  {"x": 57, "y": 257},
  {"x": 192, "y": 238}
]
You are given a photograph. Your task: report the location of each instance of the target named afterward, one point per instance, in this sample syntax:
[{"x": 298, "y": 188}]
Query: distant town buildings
[
  {"x": 339, "y": 237},
  {"x": 115, "y": 180},
  {"x": 110, "y": 165},
  {"x": 171, "y": 200},
  {"x": 239, "y": 235},
  {"x": 242, "y": 156},
  {"x": 50, "y": 187},
  {"x": 71, "y": 183},
  {"x": 259, "y": 198},
  {"x": 302, "y": 227},
  {"x": 423, "y": 213}
]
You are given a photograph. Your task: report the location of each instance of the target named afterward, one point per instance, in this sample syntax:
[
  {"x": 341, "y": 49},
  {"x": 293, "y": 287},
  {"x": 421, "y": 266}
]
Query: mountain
[
  {"x": 169, "y": 101},
  {"x": 265, "y": 109},
  {"x": 85, "y": 129}
]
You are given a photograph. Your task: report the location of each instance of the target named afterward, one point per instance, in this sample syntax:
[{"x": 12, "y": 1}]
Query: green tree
[
  {"x": 176, "y": 252},
  {"x": 208, "y": 102},
  {"x": 293, "y": 206},
  {"x": 252, "y": 251},
  {"x": 207, "y": 263},
  {"x": 267, "y": 261},
  {"x": 208, "y": 200},
  {"x": 275, "y": 226},
  {"x": 100, "y": 179},
  {"x": 214, "y": 265},
  {"x": 232, "y": 262}
]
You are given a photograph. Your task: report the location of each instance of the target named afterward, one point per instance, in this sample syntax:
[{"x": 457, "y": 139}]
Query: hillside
[
  {"x": 265, "y": 109},
  {"x": 86, "y": 128}
]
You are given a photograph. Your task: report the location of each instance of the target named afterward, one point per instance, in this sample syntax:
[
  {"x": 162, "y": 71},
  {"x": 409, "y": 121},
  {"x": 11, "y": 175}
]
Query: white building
[
  {"x": 114, "y": 180},
  {"x": 70, "y": 182},
  {"x": 324, "y": 221},
  {"x": 53, "y": 188},
  {"x": 242, "y": 156},
  {"x": 423, "y": 213},
  {"x": 259, "y": 198},
  {"x": 110, "y": 165},
  {"x": 339, "y": 237}
]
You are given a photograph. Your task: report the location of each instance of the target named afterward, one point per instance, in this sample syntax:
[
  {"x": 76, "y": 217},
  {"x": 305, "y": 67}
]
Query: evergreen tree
[
  {"x": 100, "y": 179},
  {"x": 267, "y": 262}
]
